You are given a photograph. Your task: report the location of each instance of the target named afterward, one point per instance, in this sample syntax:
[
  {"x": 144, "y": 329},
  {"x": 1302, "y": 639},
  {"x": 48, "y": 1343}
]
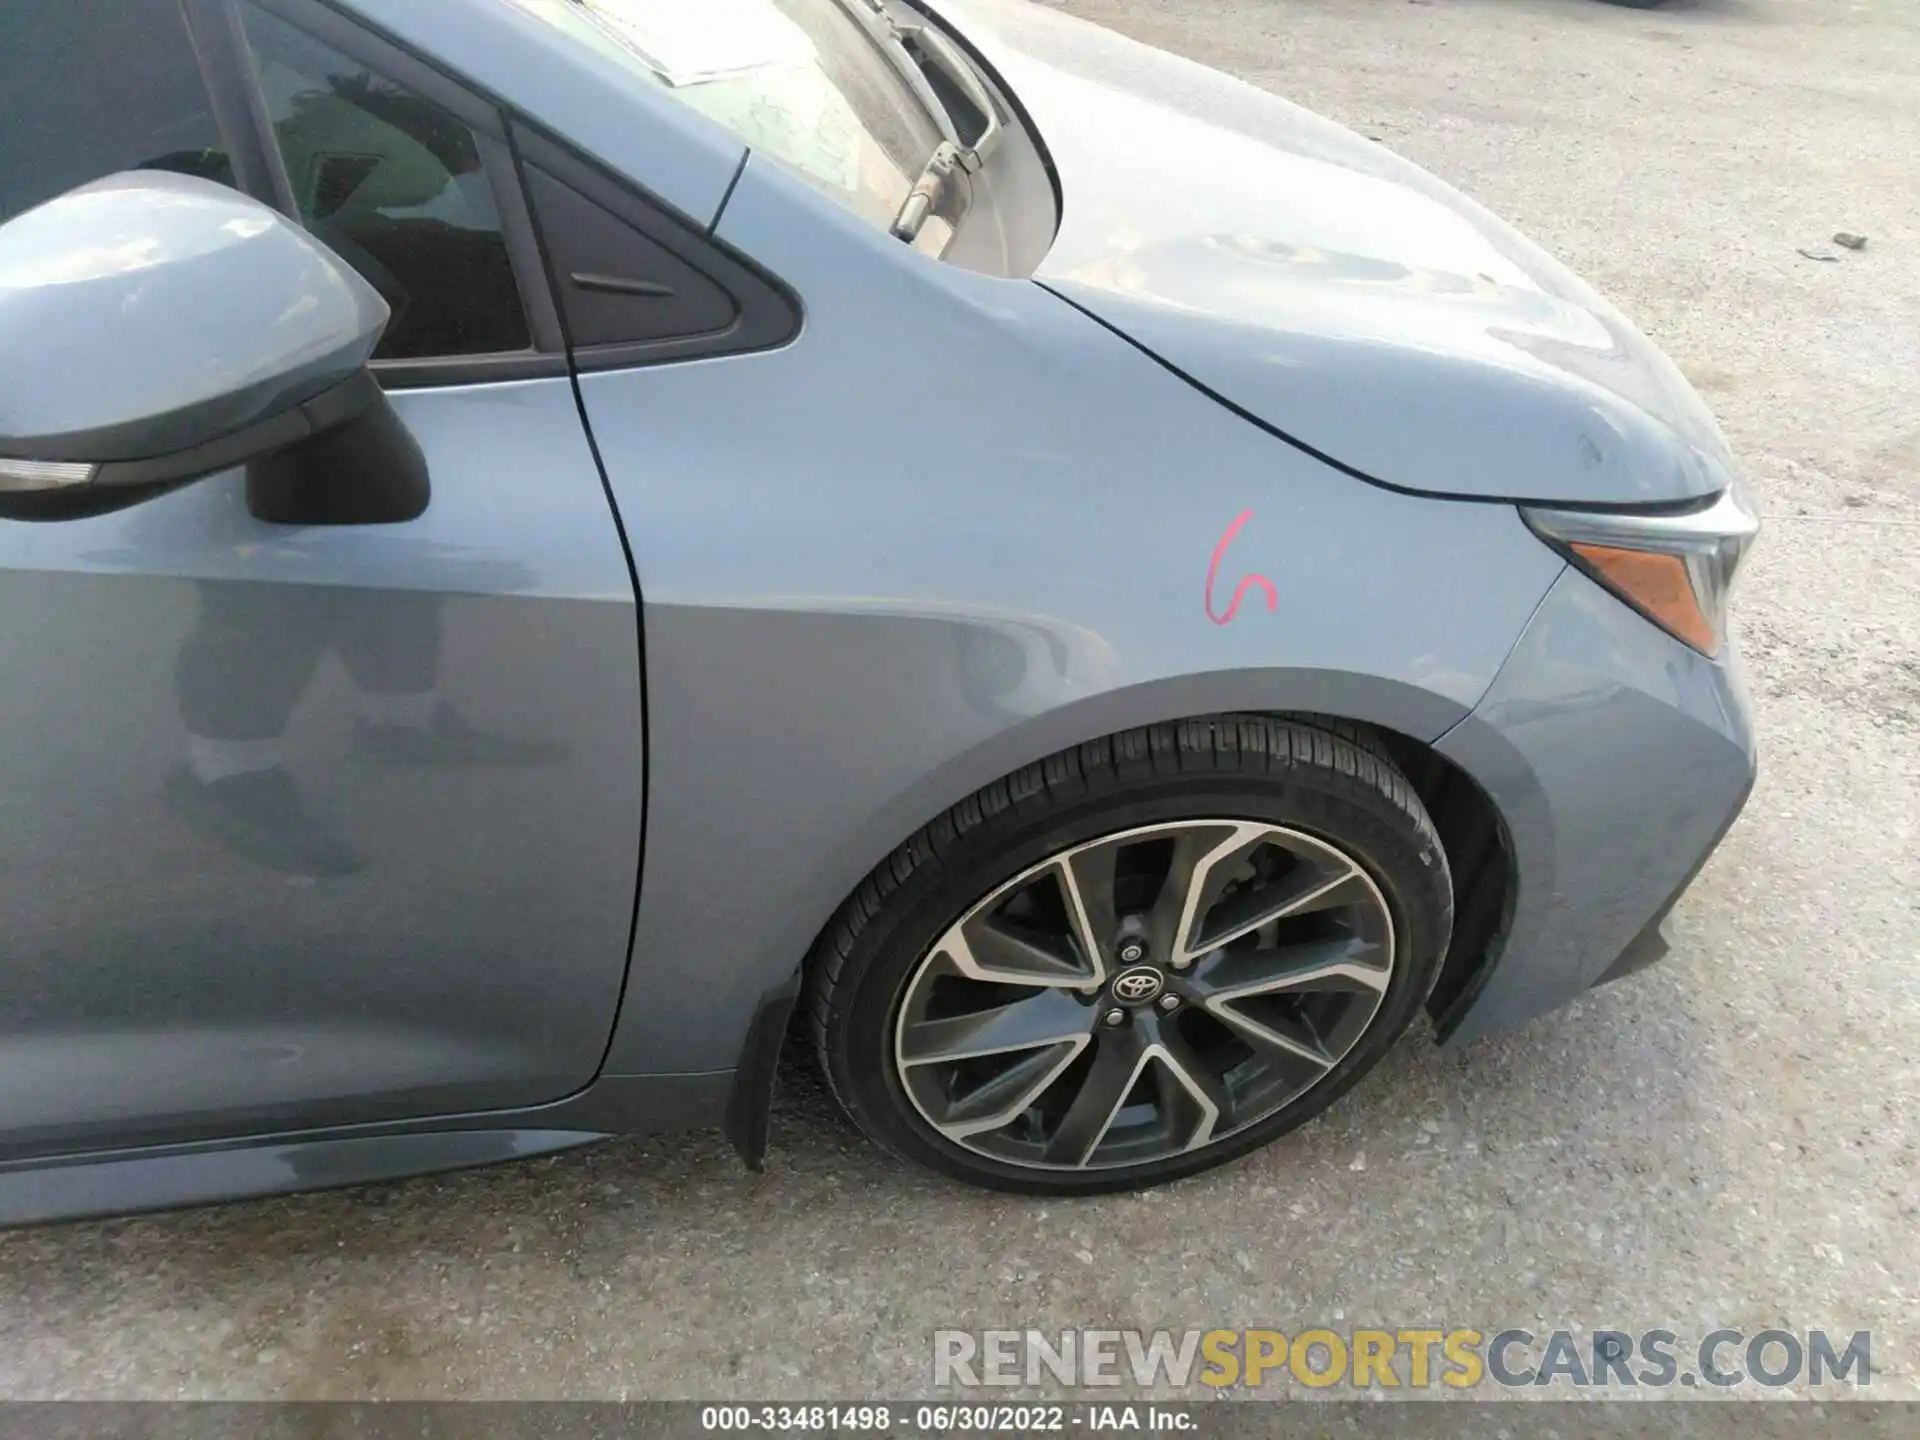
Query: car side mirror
[{"x": 156, "y": 329}]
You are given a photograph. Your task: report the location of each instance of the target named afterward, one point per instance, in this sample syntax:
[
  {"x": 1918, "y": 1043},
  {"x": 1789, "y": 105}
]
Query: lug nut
[
  {"x": 1169, "y": 1002},
  {"x": 1115, "y": 1017},
  {"x": 1133, "y": 952}
]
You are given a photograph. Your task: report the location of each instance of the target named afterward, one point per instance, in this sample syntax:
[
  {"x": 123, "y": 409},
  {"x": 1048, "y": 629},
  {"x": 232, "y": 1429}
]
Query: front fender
[{"x": 866, "y": 600}]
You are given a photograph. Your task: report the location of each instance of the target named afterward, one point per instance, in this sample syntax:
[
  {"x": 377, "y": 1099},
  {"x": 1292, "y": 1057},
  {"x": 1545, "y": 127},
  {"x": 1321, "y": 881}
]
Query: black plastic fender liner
[{"x": 750, "y": 1101}]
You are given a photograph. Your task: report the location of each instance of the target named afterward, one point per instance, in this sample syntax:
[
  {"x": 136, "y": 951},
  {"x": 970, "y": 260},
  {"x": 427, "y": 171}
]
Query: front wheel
[{"x": 1136, "y": 959}]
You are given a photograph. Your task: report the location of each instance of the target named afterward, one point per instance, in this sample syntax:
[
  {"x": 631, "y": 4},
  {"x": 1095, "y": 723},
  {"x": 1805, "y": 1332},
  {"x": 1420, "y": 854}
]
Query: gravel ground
[{"x": 1728, "y": 1140}]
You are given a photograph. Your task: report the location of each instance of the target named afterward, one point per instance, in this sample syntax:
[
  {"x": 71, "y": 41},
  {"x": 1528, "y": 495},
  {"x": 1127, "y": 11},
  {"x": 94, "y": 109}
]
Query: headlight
[{"x": 1676, "y": 567}]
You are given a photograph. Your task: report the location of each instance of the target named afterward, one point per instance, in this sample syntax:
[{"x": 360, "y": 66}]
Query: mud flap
[{"x": 750, "y": 1102}]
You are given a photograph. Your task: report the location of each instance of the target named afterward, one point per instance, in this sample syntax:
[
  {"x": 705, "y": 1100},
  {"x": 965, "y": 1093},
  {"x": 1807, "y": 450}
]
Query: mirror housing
[{"x": 156, "y": 328}]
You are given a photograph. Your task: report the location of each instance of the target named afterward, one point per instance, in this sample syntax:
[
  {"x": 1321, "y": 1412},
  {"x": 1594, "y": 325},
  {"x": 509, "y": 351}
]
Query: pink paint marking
[{"x": 1240, "y": 591}]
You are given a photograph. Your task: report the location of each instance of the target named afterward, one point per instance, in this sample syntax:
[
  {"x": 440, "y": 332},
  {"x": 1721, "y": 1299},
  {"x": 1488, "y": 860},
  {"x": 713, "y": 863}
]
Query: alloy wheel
[{"x": 1144, "y": 995}]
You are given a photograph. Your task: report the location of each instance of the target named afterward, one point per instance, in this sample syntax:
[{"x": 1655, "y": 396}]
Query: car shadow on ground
[
  {"x": 1585, "y": 1064},
  {"x": 1753, "y": 11},
  {"x": 1485, "y": 1155}
]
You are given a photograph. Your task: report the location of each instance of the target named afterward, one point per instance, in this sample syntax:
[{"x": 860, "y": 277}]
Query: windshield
[{"x": 803, "y": 81}]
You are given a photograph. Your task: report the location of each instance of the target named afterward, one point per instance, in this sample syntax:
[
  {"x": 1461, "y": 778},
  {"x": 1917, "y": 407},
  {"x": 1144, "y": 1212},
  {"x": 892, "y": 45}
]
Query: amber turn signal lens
[
  {"x": 1675, "y": 565},
  {"x": 1659, "y": 584}
]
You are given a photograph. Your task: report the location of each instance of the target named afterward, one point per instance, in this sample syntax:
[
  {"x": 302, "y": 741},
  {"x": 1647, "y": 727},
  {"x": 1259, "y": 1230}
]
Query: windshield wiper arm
[
  {"x": 946, "y": 56},
  {"x": 949, "y": 155},
  {"x": 871, "y": 16}
]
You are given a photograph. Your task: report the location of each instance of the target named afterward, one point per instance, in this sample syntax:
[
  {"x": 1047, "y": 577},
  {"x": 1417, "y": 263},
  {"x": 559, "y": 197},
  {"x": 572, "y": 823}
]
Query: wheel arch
[{"x": 1389, "y": 717}]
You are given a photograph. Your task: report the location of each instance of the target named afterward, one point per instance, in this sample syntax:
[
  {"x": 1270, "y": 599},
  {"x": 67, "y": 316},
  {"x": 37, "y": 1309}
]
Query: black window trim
[
  {"x": 770, "y": 313},
  {"x": 547, "y": 357},
  {"x": 220, "y": 50}
]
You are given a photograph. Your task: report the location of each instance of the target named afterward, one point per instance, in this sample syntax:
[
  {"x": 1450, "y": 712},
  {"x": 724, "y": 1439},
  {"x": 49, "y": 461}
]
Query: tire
[{"x": 1261, "y": 809}]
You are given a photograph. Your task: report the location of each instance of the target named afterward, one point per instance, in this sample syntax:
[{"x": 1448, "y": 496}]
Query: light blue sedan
[{"x": 548, "y": 539}]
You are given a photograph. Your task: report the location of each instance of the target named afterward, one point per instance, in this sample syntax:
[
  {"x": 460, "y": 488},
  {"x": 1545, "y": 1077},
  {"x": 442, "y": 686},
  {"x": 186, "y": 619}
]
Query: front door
[{"x": 314, "y": 826}]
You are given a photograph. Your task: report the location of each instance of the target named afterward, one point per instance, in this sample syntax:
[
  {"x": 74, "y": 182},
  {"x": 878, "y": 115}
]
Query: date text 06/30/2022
[{"x": 945, "y": 1418}]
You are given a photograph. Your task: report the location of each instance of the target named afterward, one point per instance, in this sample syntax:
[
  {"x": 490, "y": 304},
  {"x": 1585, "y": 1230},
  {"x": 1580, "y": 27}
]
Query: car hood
[{"x": 1332, "y": 291}]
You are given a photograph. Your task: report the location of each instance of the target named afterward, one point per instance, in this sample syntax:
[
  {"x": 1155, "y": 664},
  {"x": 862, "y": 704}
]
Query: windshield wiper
[{"x": 950, "y": 156}]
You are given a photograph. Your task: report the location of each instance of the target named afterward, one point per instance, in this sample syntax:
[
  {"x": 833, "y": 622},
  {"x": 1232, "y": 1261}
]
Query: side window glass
[
  {"x": 394, "y": 183},
  {"x": 91, "y": 87}
]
